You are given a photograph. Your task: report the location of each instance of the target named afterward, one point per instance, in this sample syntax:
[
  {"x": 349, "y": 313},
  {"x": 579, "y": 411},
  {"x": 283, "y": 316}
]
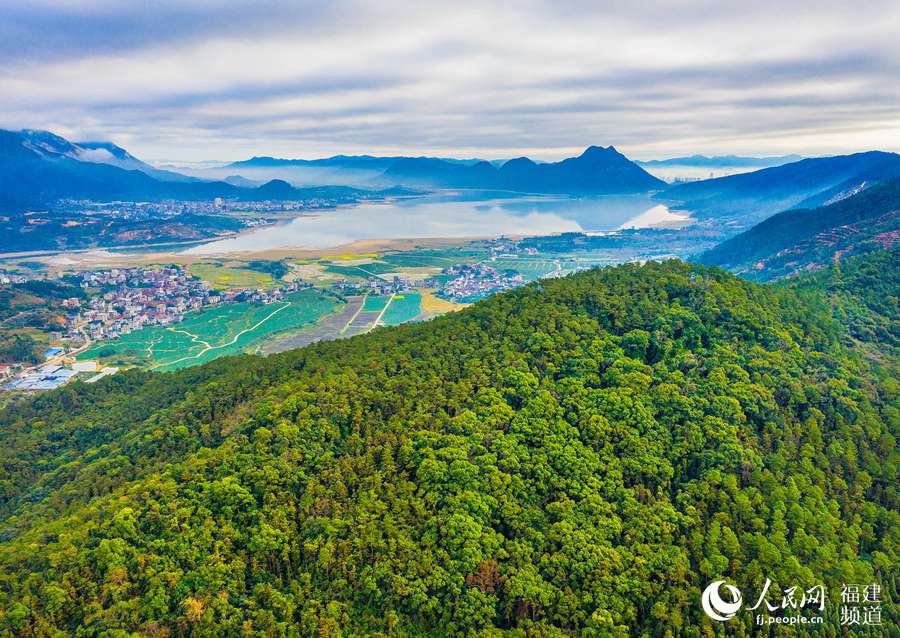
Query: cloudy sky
[{"x": 201, "y": 79}]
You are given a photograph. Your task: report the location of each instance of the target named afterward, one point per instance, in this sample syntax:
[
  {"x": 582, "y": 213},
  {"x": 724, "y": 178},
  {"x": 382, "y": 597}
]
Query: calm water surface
[{"x": 458, "y": 214}]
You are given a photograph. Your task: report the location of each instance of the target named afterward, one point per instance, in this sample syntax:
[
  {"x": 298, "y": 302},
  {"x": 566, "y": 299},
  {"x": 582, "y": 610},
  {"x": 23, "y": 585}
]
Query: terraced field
[
  {"x": 430, "y": 258},
  {"x": 363, "y": 322}
]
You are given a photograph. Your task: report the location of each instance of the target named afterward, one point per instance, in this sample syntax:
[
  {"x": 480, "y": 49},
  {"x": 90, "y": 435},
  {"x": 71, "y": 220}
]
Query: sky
[{"x": 193, "y": 80}]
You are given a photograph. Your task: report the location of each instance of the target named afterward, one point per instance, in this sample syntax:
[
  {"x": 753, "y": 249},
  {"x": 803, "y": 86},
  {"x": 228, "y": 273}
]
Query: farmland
[
  {"x": 214, "y": 332},
  {"x": 221, "y": 276},
  {"x": 364, "y": 270},
  {"x": 375, "y": 303},
  {"x": 415, "y": 262},
  {"x": 352, "y": 294},
  {"x": 403, "y": 308}
]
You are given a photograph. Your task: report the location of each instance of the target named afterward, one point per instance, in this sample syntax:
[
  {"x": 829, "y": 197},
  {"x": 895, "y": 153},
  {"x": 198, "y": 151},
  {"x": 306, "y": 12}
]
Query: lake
[{"x": 450, "y": 215}]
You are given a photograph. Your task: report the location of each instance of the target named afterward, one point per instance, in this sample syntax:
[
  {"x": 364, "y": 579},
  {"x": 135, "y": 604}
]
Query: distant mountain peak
[
  {"x": 598, "y": 151},
  {"x": 518, "y": 162},
  {"x": 597, "y": 170},
  {"x": 275, "y": 188}
]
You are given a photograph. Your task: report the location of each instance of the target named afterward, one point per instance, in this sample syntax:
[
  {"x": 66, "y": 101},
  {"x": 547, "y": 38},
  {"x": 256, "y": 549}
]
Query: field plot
[
  {"x": 376, "y": 303},
  {"x": 411, "y": 263},
  {"x": 365, "y": 270},
  {"x": 328, "y": 327},
  {"x": 530, "y": 268},
  {"x": 431, "y": 258},
  {"x": 433, "y": 305},
  {"x": 363, "y": 322},
  {"x": 403, "y": 308},
  {"x": 227, "y": 277},
  {"x": 213, "y": 332}
]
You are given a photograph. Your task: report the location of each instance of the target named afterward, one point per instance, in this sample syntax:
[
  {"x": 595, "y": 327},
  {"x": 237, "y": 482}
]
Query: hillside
[
  {"x": 581, "y": 456},
  {"x": 597, "y": 170},
  {"x": 807, "y": 239},
  {"x": 864, "y": 292},
  {"x": 38, "y": 167},
  {"x": 109, "y": 153},
  {"x": 28, "y": 311},
  {"x": 748, "y": 198}
]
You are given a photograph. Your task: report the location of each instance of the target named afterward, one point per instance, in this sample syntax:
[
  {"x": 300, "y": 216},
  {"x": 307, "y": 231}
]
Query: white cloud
[{"x": 457, "y": 78}]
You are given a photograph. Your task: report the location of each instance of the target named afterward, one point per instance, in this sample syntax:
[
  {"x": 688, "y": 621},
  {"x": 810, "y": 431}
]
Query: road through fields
[
  {"x": 223, "y": 345},
  {"x": 330, "y": 327}
]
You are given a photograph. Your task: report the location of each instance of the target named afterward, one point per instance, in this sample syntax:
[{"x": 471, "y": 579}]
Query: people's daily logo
[
  {"x": 717, "y": 608},
  {"x": 794, "y": 605}
]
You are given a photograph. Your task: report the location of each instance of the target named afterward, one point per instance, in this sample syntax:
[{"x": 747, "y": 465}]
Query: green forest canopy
[{"x": 580, "y": 456}]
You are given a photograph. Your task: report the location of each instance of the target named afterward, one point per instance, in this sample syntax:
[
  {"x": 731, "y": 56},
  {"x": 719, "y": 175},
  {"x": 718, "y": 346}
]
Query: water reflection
[{"x": 450, "y": 215}]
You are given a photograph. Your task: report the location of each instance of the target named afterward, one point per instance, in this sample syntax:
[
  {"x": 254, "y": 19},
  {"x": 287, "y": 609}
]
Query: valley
[{"x": 348, "y": 269}]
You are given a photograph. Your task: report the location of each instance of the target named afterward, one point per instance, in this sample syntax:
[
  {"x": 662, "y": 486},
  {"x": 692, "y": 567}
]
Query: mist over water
[{"x": 448, "y": 215}]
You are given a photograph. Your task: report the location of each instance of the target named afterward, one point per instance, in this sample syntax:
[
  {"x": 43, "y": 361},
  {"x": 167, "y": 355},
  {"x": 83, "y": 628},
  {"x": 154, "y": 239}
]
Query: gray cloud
[
  {"x": 227, "y": 79},
  {"x": 44, "y": 30}
]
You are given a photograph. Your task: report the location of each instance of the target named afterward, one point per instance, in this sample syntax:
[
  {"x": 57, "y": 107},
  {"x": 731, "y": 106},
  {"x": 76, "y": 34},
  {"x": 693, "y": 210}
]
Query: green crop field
[
  {"x": 226, "y": 277},
  {"x": 213, "y": 332},
  {"x": 375, "y": 303},
  {"x": 370, "y": 269},
  {"x": 430, "y": 258},
  {"x": 403, "y": 308}
]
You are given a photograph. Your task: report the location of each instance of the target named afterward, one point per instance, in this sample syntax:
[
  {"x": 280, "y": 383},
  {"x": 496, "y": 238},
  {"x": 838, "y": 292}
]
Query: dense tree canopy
[{"x": 577, "y": 457}]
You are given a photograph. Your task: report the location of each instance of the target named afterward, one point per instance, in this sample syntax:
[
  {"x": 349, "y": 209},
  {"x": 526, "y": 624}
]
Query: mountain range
[
  {"x": 799, "y": 240},
  {"x": 597, "y": 170},
  {"x": 748, "y": 198},
  {"x": 722, "y": 161},
  {"x": 38, "y": 167}
]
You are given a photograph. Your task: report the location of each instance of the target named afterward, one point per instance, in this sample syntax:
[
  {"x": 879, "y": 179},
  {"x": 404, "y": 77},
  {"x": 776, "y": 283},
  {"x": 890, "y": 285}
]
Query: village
[
  {"x": 166, "y": 208},
  {"x": 128, "y": 299},
  {"x": 377, "y": 285},
  {"x": 150, "y": 296},
  {"x": 469, "y": 282}
]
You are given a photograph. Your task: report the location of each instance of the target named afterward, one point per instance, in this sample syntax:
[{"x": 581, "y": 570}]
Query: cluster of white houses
[
  {"x": 150, "y": 296},
  {"x": 469, "y": 282}
]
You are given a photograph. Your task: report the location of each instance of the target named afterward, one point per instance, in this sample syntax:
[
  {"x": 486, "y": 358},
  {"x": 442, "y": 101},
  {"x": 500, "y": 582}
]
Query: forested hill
[
  {"x": 581, "y": 456},
  {"x": 864, "y": 292},
  {"x": 795, "y": 241},
  {"x": 748, "y": 198}
]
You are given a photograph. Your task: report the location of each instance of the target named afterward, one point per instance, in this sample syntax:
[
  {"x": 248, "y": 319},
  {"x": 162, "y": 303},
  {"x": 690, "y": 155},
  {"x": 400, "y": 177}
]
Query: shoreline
[{"x": 179, "y": 252}]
